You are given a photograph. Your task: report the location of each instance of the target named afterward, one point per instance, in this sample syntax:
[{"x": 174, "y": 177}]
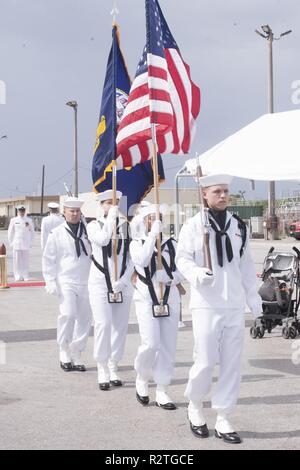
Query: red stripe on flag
[
  {"x": 159, "y": 95},
  {"x": 161, "y": 143},
  {"x": 185, "y": 144},
  {"x": 157, "y": 72},
  {"x": 133, "y": 139},
  {"x": 144, "y": 149},
  {"x": 162, "y": 118},
  {"x": 138, "y": 92},
  {"x": 176, "y": 143},
  {"x": 136, "y": 115},
  {"x": 127, "y": 158},
  {"x": 196, "y": 96}
]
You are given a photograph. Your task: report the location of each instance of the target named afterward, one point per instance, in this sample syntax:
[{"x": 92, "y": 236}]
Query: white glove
[
  {"x": 205, "y": 276},
  {"x": 156, "y": 228},
  {"x": 51, "y": 288},
  {"x": 113, "y": 213},
  {"x": 118, "y": 286},
  {"x": 162, "y": 277},
  {"x": 177, "y": 279}
]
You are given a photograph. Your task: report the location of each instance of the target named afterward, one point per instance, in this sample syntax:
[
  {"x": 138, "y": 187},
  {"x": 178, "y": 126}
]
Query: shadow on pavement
[{"x": 285, "y": 366}]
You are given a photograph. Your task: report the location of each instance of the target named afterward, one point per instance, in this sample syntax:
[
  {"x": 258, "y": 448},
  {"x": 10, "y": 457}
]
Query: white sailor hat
[
  {"x": 151, "y": 209},
  {"x": 21, "y": 207},
  {"x": 214, "y": 180},
  {"x": 108, "y": 194},
  {"x": 145, "y": 203},
  {"x": 140, "y": 206},
  {"x": 53, "y": 205},
  {"x": 73, "y": 202}
]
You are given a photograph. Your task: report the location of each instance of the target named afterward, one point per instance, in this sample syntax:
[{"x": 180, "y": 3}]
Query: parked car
[{"x": 294, "y": 230}]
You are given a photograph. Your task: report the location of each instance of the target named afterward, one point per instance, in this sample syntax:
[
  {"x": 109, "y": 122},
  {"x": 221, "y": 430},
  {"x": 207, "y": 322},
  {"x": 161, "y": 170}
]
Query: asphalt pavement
[{"x": 42, "y": 407}]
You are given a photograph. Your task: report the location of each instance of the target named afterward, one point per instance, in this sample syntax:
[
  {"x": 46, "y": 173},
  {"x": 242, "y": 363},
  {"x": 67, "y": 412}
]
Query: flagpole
[
  {"x": 156, "y": 200},
  {"x": 204, "y": 218},
  {"x": 114, "y": 164},
  {"x": 154, "y": 161}
]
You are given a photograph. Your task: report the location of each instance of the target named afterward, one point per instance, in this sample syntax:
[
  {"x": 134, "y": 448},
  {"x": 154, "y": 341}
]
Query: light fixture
[
  {"x": 266, "y": 29},
  {"x": 261, "y": 34},
  {"x": 73, "y": 104}
]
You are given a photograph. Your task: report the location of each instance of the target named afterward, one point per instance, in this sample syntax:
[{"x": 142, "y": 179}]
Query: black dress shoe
[
  {"x": 104, "y": 386},
  {"x": 142, "y": 400},
  {"x": 167, "y": 406},
  {"x": 116, "y": 383},
  {"x": 66, "y": 366},
  {"x": 199, "y": 431},
  {"x": 230, "y": 437},
  {"x": 79, "y": 368}
]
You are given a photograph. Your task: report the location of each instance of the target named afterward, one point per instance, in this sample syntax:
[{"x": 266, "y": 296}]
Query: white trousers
[
  {"x": 156, "y": 354},
  {"x": 218, "y": 337},
  {"x": 110, "y": 325},
  {"x": 74, "y": 320},
  {"x": 21, "y": 264}
]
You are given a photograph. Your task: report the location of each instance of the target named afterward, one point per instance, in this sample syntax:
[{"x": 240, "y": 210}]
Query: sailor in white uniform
[
  {"x": 110, "y": 298},
  {"x": 137, "y": 224},
  {"x": 217, "y": 303},
  {"x": 157, "y": 318},
  {"x": 20, "y": 238},
  {"x": 66, "y": 267},
  {"x": 54, "y": 219}
]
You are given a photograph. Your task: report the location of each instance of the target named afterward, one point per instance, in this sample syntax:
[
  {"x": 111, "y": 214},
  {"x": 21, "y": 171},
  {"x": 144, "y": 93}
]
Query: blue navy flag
[{"x": 134, "y": 182}]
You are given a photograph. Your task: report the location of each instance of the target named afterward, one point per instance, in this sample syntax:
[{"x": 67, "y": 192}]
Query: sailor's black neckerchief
[
  {"x": 221, "y": 229},
  {"x": 79, "y": 245}
]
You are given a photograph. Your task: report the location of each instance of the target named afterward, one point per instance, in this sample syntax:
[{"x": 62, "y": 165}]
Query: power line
[{"x": 60, "y": 178}]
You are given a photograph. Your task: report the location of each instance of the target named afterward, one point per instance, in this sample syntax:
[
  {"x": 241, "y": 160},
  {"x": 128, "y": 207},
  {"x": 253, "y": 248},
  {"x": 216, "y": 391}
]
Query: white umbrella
[{"x": 267, "y": 149}]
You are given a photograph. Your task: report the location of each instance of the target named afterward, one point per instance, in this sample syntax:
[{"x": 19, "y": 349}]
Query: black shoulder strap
[
  {"x": 149, "y": 272},
  {"x": 172, "y": 254},
  {"x": 243, "y": 229},
  {"x": 125, "y": 249},
  {"x": 104, "y": 269},
  {"x": 148, "y": 281}
]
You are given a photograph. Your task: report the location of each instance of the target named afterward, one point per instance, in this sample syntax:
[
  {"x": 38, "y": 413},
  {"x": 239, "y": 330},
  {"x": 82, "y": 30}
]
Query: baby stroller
[{"x": 280, "y": 294}]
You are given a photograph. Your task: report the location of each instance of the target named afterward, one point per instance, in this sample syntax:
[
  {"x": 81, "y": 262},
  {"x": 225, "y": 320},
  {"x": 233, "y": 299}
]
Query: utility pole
[
  {"x": 74, "y": 105},
  {"x": 269, "y": 36}
]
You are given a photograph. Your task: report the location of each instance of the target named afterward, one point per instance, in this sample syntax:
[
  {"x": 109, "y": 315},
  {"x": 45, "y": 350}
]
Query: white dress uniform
[
  {"x": 48, "y": 224},
  {"x": 66, "y": 274},
  {"x": 218, "y": 310},
  {"x": 110, "y": 319},
  {"x": 20, "y": 237},
  {"x": 156, "y": 354}
]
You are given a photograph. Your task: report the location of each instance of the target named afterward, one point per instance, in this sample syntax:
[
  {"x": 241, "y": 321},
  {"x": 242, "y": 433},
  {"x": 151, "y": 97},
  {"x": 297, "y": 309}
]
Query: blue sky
[{"x": 54, "y": 51}]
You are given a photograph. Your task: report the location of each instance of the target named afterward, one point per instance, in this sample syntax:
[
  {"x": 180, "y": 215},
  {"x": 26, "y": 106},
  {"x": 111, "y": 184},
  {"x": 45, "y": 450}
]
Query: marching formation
[{"x": 97, "y": 269}]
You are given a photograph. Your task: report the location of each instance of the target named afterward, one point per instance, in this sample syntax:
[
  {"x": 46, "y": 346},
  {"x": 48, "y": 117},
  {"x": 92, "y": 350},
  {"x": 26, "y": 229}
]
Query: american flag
[{"x": 162, "y": 94}]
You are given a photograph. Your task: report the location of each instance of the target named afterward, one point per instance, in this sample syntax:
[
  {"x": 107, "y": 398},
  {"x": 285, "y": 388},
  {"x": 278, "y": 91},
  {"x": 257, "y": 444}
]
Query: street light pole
[
  {"x": 43, "y": 190},
  {"x": 271, "y": 192},
  {"x": 269, "y": 36},
  {"x": 74, "y": 105}
]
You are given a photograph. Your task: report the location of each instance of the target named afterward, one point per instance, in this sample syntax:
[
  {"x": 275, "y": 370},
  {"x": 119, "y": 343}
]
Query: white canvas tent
[{"x": 266, "y": 149}]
